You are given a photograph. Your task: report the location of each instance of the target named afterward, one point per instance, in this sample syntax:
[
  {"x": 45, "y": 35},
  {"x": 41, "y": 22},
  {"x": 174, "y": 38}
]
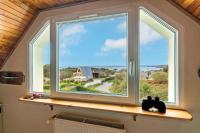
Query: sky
[{"x": 103, "y": 42}]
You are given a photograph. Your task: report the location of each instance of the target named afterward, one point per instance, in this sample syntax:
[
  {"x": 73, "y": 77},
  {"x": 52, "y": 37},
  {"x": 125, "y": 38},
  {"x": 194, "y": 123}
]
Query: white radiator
[{"x": 76, "y": 126}]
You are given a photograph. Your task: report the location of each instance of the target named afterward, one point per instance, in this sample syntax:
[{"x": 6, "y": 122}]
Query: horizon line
[{"x": 112, "y": 66}]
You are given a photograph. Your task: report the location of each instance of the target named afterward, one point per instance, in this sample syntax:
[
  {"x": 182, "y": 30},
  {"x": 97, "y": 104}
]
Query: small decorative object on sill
[
  {"x": 34, "y": 96},
  {"x": 152, "y": 105},
  {"x": 37, "y": 95},
  {"x": 147, "y": 104},
  {"x": 160, "y": 105}
]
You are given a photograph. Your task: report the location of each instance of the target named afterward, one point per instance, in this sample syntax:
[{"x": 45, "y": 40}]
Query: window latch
[{"x": 131, "y": 68}]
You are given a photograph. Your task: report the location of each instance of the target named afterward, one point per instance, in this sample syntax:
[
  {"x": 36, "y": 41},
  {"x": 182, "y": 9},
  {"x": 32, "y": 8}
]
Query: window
[
  {"x": 40, "y": 61},
  {"x": 93, "y": 55},
  {"x": 117, "y": 55},
  {"x": 158, "y": 58}
]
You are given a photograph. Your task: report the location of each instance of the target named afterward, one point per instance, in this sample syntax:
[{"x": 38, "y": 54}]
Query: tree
[
  {"x": 165, "y": 69},
  {"x": 46, "y": 71},
  {"x": 67, "y": 73}
]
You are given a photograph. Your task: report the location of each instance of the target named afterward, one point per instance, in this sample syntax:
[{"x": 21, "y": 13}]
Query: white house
[{"x": 83, "y": 74}]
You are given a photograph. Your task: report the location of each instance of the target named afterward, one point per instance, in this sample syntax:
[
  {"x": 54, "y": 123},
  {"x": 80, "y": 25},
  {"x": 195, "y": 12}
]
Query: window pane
[
  {"x": 41, "y": 61},
  {"x": 157, "y": 58},
  {"x": 93, "y": 55}
]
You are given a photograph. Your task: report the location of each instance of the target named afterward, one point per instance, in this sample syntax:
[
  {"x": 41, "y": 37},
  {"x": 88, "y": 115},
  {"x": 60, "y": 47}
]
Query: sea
[{"x": 142, "y": 68}]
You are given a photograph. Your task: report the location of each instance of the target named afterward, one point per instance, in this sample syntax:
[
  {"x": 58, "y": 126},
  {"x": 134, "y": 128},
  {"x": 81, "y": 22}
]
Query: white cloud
[
  {"x": 73, "y": 30},
  {"x": 147, "y": 34},
  {"x": 70, "y": 36},
  {"x": 111, "y": 44},
  {"x": 64, "y": 50},
  {"x": 122, "y": 26}
]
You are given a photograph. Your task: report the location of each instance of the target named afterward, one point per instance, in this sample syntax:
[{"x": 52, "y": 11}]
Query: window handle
[
  {"x": 132, "y": 68},
  {"x": 88, "y": 16}
]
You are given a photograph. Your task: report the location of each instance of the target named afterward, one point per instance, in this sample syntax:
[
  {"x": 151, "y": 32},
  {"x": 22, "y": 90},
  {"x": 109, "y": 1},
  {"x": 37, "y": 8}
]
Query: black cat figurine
[{"x": 147, "y": 104}]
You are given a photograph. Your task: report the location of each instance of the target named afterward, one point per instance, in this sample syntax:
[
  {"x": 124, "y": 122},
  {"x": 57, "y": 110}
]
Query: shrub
[
  {"x": 90, "y": 90},
  {"x": 46, "y": 87},
  {"x": 108, "y": 79},
  {"x": 160, "y": 77},
  {"x": 63, "y": 85},
  {"x": 165, "y": 69},
  {"x": 146, "y": 88},
  {"x": 119, "y": 85},
  {"x": 153, "y": 89}
]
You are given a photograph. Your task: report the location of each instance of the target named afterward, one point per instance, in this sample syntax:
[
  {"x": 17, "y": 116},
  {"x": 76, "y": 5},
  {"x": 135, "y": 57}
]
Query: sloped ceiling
[
  {"x": 190, "y": 7},
  {"x": 16, "y": 16}
]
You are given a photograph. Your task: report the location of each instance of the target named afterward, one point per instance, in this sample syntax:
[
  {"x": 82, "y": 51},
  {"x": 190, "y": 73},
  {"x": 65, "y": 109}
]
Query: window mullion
[
  {"x": 136, "y": 53},
  {"x": 53, "y": 62},
  {"x": 132, "y": 54}
]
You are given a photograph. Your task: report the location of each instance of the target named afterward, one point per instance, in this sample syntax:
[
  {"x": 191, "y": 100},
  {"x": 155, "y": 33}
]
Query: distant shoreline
[{"x": 156, "y": 66}]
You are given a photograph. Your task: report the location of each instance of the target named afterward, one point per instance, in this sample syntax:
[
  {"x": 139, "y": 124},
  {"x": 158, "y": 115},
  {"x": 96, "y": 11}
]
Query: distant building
[
  {"x": 83, "y": 74},
  {"x": 143, "y": 75},
  {"x": 95, "y": 74}
]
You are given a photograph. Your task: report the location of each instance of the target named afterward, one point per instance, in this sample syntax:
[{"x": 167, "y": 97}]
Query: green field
[
  {"x": 118, "y": 86},
  {"x": 155, "y": 85},
  {"x": 153, "y": 89}
]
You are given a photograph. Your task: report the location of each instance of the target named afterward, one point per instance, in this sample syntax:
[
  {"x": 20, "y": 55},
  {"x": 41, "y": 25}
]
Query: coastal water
[{"x": 142, "y": 68}]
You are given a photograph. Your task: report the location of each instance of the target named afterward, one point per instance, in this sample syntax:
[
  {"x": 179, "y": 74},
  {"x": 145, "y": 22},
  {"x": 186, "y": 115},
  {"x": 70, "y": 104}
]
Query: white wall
[{"x": 20, "y": 117}]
